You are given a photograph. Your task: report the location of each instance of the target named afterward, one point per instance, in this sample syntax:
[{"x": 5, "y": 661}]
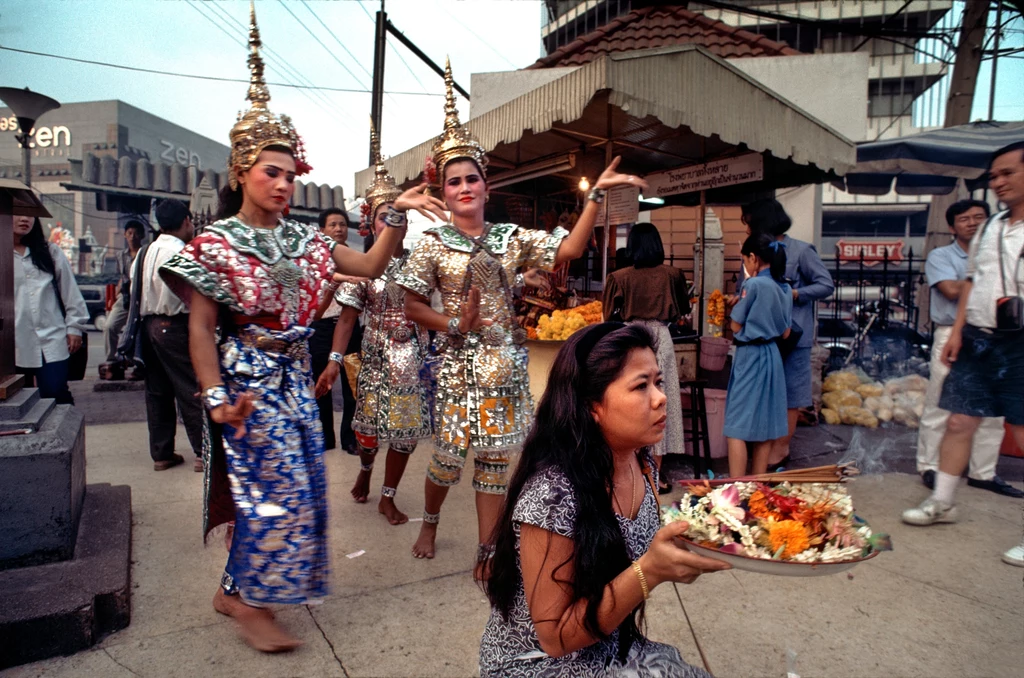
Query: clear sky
[
  {"x": 208, "y": 37},
  {"x": 202, "y": 37}
]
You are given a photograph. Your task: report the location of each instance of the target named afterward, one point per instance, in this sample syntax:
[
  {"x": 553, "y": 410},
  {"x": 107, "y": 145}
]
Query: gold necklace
[{"x": 632, "y": 494}]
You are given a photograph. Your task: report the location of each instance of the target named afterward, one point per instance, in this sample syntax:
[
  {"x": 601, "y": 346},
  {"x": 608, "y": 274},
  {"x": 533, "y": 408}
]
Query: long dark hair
[
  {"x": 767, "y": 216},
  {"x": 38, "y": 248},
  {"x": 229, "y": 200},
  {"x": 566, "y": 437},
  {"x": 645, "y": 246},
  {"x": 768, "y": 250}
]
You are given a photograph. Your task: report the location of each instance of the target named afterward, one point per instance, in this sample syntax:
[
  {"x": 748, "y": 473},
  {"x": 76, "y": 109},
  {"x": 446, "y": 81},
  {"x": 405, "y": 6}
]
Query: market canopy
[
  {"x": 930, "y": 163},
  {"x": 661, "y": 109}
]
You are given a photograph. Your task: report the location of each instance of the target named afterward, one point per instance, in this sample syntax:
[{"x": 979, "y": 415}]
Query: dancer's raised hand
[
  {"x": 610, "y": 177},
  {"x": 427, "y": 205}
]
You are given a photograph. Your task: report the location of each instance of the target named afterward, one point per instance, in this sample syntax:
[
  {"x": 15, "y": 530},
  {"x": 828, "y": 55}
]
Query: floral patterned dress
[
  {"x": 391, "y": 395},
  {"x": 510, "y": 648},
  {"x": 271, "y": 481}
]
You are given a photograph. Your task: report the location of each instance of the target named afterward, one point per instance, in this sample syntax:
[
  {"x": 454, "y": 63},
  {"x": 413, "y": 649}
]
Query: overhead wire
[
  {"x": 473, "y": 33},
  {"x": 193, "y": 76},
  {"x": 284, "y": 67},
  {"x": 321, "y": 43},
  {"x": 394, "y": 49}
]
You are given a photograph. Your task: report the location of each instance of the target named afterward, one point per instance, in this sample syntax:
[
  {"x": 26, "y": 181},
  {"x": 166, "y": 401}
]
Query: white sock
[{"x": 945, "y": 487}]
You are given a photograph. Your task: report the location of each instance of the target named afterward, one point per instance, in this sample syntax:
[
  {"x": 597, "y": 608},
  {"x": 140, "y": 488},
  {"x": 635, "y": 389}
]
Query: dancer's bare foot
[
  {"x": 361, "y": 488},
  {"x": 424, "y": 546},
  {"x": 387, "y": 507},
  {"x": 256, "y": 625}
]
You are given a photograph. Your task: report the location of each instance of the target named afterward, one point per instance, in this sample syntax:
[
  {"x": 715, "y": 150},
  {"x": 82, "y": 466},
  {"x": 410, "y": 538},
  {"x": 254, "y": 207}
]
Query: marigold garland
[{"x": 716, "y": 313}]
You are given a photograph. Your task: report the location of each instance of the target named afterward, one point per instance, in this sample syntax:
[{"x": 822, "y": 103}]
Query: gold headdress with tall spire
[
  {"x": 383, "y": 188},
  {"x": 258, "y": 128},
  {"x": 455, "y": 141}
]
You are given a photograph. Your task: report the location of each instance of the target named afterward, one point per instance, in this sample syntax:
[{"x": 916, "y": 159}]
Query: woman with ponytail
[
  {"x": 578, "y": 547},
  {"x": 755, "y": 407}
]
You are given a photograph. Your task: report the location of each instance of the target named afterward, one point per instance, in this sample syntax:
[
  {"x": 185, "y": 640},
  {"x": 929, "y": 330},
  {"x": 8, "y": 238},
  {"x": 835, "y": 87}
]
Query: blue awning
[{"x": 929, "y": 163}]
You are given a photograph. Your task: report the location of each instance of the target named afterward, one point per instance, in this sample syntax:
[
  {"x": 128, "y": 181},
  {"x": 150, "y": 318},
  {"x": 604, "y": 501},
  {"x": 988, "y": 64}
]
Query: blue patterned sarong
[{"x": 276, "y": 472}]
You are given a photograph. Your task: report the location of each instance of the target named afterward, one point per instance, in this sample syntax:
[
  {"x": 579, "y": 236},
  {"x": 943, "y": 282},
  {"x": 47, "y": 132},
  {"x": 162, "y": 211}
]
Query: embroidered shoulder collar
[
  {"x": 496, "y": 240},
  {"x": 269, "y": 245}
]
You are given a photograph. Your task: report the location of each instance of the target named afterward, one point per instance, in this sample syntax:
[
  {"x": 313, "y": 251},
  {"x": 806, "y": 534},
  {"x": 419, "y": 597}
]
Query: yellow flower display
[{"x": 561, "y": 324}]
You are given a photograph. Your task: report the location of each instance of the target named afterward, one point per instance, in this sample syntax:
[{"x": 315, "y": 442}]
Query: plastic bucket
[
  {"x": 714, "y": 401},
  {"x": 713, "y": 352}
]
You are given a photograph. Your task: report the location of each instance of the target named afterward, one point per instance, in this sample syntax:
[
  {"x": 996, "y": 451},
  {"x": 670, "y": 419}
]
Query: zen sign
[{"x": 873, "y": 251}]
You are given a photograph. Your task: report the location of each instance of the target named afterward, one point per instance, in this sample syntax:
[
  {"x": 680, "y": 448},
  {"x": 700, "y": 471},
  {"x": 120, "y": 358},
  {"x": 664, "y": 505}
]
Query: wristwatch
[
  {"x": 335, "y": 357},
  {"x": 597, "y": 195}
]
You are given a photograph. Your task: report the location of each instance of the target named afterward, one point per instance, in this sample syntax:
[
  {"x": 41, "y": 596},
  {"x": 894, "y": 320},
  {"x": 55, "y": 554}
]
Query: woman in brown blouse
[{"x": 651, "y": 294}]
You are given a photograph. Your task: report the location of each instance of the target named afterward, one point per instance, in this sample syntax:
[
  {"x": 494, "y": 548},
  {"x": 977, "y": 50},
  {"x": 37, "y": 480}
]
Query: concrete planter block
[{"x": 42, "y": 484}]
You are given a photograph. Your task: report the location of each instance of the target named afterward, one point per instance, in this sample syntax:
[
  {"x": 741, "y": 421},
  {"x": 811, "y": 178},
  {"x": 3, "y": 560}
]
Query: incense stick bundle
[{"x": 835, "y": 473}]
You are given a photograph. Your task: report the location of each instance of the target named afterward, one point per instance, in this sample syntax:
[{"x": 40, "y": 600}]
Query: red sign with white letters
[{"x": 873, "y": 251}]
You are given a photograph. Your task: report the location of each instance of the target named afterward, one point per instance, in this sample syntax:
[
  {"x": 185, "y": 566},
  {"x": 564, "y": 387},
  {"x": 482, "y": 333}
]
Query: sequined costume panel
[
  {"x": 272, "y": 478},
  {"x": 483, "y": 394},
  {"x": 391, "y": 397},
  {"x": 281, "y": 271}
]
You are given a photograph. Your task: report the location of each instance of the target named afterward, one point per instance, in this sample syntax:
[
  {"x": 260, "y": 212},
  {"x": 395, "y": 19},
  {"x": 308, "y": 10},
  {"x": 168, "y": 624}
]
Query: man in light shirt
[
  {"x": 170, "y": 378},
  {"x": 986, "y": 354},
  {"x": 946, "y": 270}
]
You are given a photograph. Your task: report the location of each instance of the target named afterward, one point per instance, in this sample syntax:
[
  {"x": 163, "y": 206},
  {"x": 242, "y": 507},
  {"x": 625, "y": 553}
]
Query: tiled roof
[{"x": 660, "y": 26}]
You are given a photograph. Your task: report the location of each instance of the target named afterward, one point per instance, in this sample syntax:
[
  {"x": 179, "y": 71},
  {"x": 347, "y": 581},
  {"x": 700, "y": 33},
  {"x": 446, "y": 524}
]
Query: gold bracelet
[{"x": 642, "y": 578}]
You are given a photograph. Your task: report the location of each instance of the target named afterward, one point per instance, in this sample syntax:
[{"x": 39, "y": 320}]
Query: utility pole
[
  {"x": 377, "y": 97},
  {"x": 995, "y": 60}
]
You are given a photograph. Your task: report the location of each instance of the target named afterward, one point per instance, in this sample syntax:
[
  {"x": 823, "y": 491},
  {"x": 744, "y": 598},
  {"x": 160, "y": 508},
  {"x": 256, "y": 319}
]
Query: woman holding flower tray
[
  {"x": 578, "y": 547},
  {"x": 755, "y": 407}
]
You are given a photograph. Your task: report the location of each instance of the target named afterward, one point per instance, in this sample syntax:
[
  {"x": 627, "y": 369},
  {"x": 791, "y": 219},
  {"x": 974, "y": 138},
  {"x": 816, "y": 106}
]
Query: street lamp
[{"x": 27, "y": 107}]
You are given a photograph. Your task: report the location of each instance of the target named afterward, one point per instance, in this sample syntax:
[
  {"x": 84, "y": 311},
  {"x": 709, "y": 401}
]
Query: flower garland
[{"x": 716, "y": 313}]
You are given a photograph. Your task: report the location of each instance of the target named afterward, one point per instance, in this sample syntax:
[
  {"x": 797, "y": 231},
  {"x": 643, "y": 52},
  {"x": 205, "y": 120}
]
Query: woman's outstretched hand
[
  {"x": 234, "y": 415},
  {"x": 427, "y": 205},
  {"x": 666, "y": 560},
  {"x": 610, "y": 177}
]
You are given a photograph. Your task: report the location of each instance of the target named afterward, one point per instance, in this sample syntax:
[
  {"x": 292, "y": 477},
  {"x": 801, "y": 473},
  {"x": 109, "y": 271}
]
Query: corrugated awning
[{"x": 661, "y": 108}]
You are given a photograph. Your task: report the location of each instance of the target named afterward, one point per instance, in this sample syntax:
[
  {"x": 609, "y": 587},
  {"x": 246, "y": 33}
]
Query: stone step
[
  {"x": 18, "y": 405},
  {"x": 33, "y": 419}
]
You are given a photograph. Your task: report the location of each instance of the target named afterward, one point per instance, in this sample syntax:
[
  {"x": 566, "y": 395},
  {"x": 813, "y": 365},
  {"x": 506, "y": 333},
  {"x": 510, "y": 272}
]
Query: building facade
[{"x": 92, "y": 225}]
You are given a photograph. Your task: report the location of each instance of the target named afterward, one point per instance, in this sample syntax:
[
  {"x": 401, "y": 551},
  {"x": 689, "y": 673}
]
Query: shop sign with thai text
[
  {"x": 873, "y": 251},
  {"x": 738, "y": 170}
]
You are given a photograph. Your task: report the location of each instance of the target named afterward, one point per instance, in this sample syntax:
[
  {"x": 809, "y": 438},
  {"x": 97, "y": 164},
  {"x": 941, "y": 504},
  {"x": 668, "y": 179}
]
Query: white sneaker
[
  {"x": 930, "y": 511},
  {"x": 1015, "y": 556}
]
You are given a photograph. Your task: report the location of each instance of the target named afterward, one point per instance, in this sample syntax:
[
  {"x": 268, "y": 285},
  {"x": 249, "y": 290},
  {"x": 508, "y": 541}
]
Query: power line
[
  {"x": 473, "y": 33},
  {"x": 321, "y": 101},
  {"x": 321, "y": 43},
  {"x": 153, "y": 71},
  {"x": 340, "y": 43},
  {"x": 394, "y": 49}
]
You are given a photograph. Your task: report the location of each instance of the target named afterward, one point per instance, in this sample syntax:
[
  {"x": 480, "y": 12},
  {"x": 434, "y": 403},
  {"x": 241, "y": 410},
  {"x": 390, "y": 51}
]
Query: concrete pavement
[{"x": 941, "y": 605}]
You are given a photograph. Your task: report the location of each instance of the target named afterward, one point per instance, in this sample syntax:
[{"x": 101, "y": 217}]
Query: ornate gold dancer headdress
[
  {"x": 455, "y": 141},
  {"x": 258, "y": 128},
  {"x": 383, "y": 188}
]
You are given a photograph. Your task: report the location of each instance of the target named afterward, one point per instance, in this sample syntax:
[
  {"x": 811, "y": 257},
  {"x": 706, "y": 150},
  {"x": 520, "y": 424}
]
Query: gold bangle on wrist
[{"x": 642, "y": 578}]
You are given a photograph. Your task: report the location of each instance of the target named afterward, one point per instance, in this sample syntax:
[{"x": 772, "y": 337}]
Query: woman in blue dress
[{"x": 755, "y": 407}]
